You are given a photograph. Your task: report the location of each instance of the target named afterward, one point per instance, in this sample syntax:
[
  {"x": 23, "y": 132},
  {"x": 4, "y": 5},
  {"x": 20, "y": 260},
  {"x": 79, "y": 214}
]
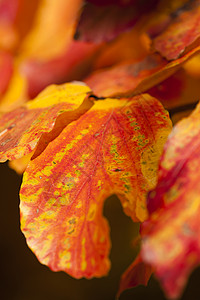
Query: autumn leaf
[
  {"x": 113, "y": 148},
  {"x": 133, "y": 77},
  {"x": 171, "y": 234},
  {"x": 23, "y": 128},
  {"x": 181, "y": 30},
  {"x": 163, "y": 15},
  {"x": 59, "y": 69},
  {"x": 170, "y": 91},
  {"x": 129, "y": 45},
  {"x": 104, "y": 21},
  {"x": 138, "y": 273},
  {"x": 20, "y": 164},
  {"x": 179, "y": 90},
  {"x": 15, "y": 94}
]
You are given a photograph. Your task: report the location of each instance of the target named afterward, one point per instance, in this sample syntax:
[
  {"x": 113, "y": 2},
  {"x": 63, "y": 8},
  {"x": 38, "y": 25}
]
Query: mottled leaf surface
[
  {"x": 113, "y": 148},
  {"x": 171, "y": 234},
  {"x": 21, "y": 129},
  {"x": 182, "y": 31},
  {"x": 134, "y": 77}
]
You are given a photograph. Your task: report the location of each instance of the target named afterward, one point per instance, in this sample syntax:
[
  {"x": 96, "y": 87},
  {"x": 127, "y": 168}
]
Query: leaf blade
[
  {"x": 87, "y": 162},
  {"x": 171, "y": 235},
  {"x": 22, "y": 128},
  {"x": 134, "y": 77}
]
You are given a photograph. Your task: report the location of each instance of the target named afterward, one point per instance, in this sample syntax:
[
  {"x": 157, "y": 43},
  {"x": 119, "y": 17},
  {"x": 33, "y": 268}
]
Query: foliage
[{"x": 106, "y": 131}]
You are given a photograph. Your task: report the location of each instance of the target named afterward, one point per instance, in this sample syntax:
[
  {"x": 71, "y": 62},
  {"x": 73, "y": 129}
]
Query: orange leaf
[
  {"x": 113, "y": 148},
  {"x": 132, "y": 77},
  {"x": 171, "y": 234},
  {"x": 21, "y": 129},
  {"x": 20, "y": 164},
  {"x": 192, "y": 66},
  {"x": 137, "y": 273},
  {"x": 129, "y": 45}
]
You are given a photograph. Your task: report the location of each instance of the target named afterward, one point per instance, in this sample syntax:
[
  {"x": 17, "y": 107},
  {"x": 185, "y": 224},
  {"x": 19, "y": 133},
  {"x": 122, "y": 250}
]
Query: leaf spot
[
  {"x": 117, "y": 170},
  {"x": 71, "y": 231},
  {"x": 72, "y": 221}
]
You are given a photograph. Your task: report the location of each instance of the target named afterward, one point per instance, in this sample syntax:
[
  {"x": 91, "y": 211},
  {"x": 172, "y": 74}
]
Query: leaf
[
  {"x": 138, "y": 273},
  {"x": 20, "y": 164},
  {"x": 21, "y": 129},
  {"x": 178, "y": 90},
  {"x": 72, "y": 64},
  {"x": 163, "y": 15},
  {"x": 133, "y": 77},
  {"x": 171, "y": 234},
  {"x": 104, "y": 21},
  {"x": 181, "y": 32},
  {"x": 192, "y": 66},
  {"x": 170, "y": 91},
  {"x": 113, "y": 148},
  {"x": 129, "y": 45}
]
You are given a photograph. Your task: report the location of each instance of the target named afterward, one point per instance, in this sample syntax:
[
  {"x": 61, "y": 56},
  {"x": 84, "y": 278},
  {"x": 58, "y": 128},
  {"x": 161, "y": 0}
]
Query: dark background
[{"x": 24, "y": 278}]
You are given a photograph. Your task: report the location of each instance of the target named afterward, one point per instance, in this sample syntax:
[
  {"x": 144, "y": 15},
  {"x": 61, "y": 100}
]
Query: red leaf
[
  {"x": 182, "y": 31},
  {"x": 177, "y": 91},
  {"x": 137, "y": 273},
  {"x": 171, "y": 234},
  {"x": 106, "y": 21}
]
